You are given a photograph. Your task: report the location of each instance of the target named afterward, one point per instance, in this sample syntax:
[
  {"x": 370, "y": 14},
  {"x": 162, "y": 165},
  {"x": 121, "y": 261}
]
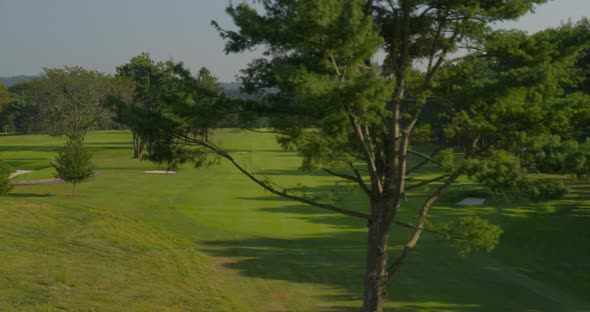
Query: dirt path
[
  {"x": 33, "y": 182},
  {"x": 19, "y": 172}
]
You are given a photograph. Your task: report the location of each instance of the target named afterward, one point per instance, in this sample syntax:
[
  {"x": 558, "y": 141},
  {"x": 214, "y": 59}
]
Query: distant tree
[
  {"x": 74, "y": 163},
  {"x": 583, "y": 65},
  {"x": 121, "y": 93},
  {"x": 206, "y": 96},
  {"x": 152, "y": 84},
  {"x": 22, "y": 114},
  {"x": 71, "y": 100},
  {"x": 5, "y": 98}
]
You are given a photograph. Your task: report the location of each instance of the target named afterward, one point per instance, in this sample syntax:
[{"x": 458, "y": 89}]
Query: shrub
[
  {"x": 6, "y": 168},
  {"x": 74, "y": 163},
  {"x": 5, "y": 183}
]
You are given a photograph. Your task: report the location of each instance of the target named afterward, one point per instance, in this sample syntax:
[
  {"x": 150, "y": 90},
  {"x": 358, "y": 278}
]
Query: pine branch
[
  {"x": 269, "y": 187},
  {"x": 355, "y": 179},
  {"x": 373, "y": 173},
  {"x": 420, "y": 224},
  {"x": 428, "y": 158},
  {"x": 415, "y": 186},
  {"x": 424, "y": 162}
]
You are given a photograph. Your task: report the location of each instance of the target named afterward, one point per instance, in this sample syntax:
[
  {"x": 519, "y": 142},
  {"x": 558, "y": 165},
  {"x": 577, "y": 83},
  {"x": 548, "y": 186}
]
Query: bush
[
  {"x": 6, "y": 168},
  {"x": 546, "y": 190},
  {"x": 5, "y": 183}
]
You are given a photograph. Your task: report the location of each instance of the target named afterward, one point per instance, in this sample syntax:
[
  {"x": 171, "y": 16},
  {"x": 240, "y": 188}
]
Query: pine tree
[{"x": 74, "y": 163}]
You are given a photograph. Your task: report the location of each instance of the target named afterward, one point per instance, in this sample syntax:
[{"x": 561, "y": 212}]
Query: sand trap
[
  {"x": 19, "y": 172},
  {"x": 161, "y": 172},
  {"x": 472, "y": 201}
]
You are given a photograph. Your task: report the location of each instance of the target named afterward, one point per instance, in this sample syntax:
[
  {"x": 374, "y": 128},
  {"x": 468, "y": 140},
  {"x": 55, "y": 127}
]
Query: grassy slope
[{"x": 208, "y": 239}]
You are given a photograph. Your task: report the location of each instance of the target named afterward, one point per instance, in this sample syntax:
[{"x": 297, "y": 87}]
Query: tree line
[{"x": 70, "y": 101}]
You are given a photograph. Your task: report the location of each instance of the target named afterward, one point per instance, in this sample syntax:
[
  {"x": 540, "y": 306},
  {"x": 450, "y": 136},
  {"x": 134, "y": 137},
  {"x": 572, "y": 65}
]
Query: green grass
[{"x": 208, "y": 239}]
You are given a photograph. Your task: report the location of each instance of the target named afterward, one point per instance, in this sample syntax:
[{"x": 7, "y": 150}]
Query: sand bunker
[
  {"x": 160, "y": 172},
  {"x": 472, "y": 201}
]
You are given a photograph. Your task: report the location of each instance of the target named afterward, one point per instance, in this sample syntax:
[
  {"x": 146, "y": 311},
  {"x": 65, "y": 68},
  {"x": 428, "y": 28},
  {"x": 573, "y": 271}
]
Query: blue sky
[{"x": 102, "y": 34}]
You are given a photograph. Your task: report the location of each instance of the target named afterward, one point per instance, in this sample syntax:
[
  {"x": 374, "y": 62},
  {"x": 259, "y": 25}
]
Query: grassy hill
[{"x": 207, "y": 239}]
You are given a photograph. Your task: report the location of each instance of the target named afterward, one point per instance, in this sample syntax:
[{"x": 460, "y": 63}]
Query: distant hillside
[
  {"x": 8, "y": 81},
  {"x": 230, "y": 85},
  {"x": 231, "y": 89}
]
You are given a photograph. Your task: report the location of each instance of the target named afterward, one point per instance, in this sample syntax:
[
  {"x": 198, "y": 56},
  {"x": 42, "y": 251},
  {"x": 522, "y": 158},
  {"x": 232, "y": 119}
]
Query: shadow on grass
[
  {"x": 27, "y": 163},
  {"x": 29, "y": 195},
  {"x": 126, "y": 144},
  {"x": 94, "y": 147},
  {"x": 336, "y": 260},
  {"x": 434, "y": 272},
  {"x": 29, "y": 148}
]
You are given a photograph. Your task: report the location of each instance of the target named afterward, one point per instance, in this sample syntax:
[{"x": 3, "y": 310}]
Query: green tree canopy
[
  {"x": 22, "y": 114},
  {"x": 71, "y": 100},
  {"x": 74, "y": 163},
  {"x": 152, "y": 86}
]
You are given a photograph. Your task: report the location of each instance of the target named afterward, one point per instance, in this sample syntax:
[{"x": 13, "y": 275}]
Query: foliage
[
  {"x": 446, "y": 160},
  {"x": 5, "y": 183},
  {"x": 498, "y": 170},
  {"x": 71, "y": 100},
  {"x": 152, "y": 86},
  {"x": 556, "y": 156},
  {"x": 150, "y": 79},
  {"x": 22, "y": 113},
  {"x": 208, "y": 92},
  {"x": 469, "y": 234},
  {"x": 74, "y": 163},
  {"x": 6, "y": 168},
  {"x": 4, "y": 96},
  {"x": 547, "y": 190}
]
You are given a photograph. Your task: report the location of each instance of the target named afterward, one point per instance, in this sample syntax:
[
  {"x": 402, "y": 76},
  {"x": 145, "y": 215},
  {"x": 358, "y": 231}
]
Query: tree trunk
[
  {"x": 74, "y": 184},
  {"x": 140, "y": 148},
  {"x": 149, "y": 148},
  {"x": 376, "y": 269},
  {"x": 137, "y": 146}
]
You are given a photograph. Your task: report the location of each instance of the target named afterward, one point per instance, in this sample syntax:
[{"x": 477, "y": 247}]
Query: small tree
[
  {"x": 5, "y": 183},
  {"x": 74, "y": 164}
]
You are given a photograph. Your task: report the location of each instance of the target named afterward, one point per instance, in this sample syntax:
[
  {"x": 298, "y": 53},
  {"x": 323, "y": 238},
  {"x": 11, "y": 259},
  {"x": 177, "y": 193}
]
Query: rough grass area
[
  {"x": 73, "y": 259},
  {"x": 208, "y": 239}
]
